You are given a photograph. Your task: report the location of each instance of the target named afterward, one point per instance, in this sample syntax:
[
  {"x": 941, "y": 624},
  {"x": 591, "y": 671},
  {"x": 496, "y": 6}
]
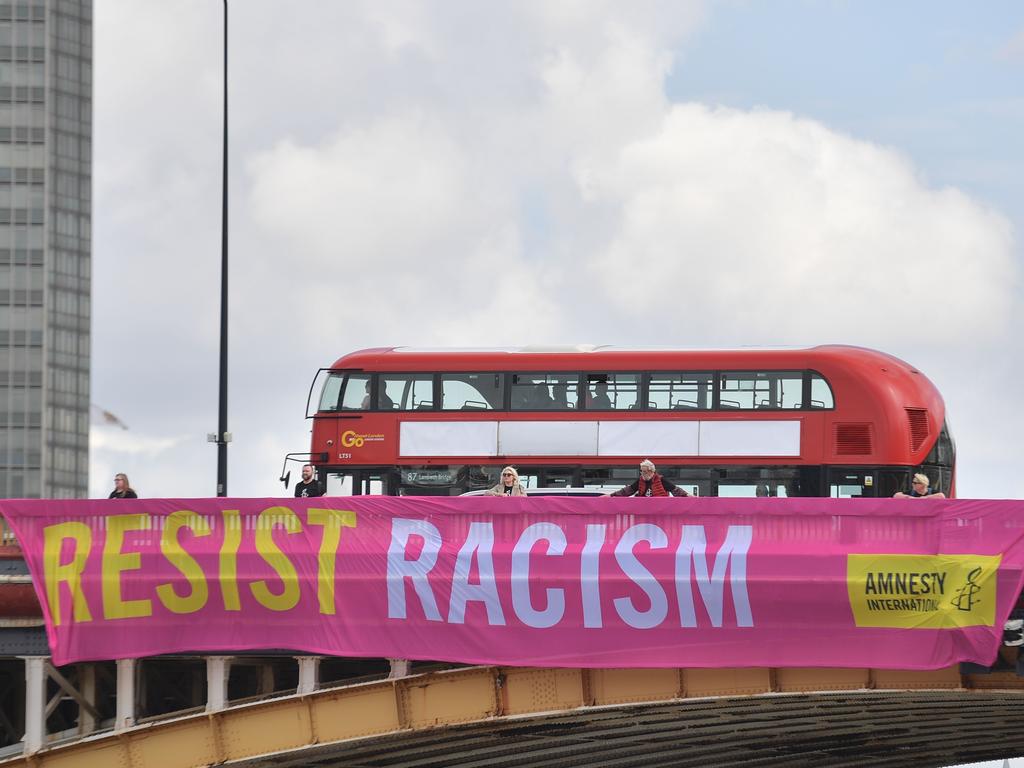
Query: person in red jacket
[{"x": 650, "y": 483}]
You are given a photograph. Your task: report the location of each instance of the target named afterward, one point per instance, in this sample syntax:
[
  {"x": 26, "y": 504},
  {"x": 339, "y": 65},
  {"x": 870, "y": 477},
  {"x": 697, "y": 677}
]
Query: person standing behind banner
[
  {"x": 122, "y": 490},
  {"x": 509, "y": 485},
  {"x": 309, "y": 485},
  {"x": 650, "y": 483},
  {"x": 919, "y": 488}
]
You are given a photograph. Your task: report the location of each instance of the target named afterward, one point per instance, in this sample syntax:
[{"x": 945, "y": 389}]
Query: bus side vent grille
[
  {"x": 853, "y": 439},
  {"x": 918, "y": 427}
]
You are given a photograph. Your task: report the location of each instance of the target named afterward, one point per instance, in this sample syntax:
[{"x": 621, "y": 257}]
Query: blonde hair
[
  {"x": 515, "y": 475},
  {"x": 920, "y": 477}
]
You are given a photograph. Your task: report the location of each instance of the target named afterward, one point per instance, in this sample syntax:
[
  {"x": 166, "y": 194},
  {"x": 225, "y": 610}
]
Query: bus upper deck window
[
  {"x": 748, "y": 390},
  {"x": 355, "y": 393},
  {"x": 408, "y": 391},
  {"x": 612, "y": 391},
  {"x": 331, "y": 392},
  {"x": 472, "y": 391},
  {"x": 821, "y": 393},
  {"x": 544, "y": 391},
  {"x": 679, "y": 391}
]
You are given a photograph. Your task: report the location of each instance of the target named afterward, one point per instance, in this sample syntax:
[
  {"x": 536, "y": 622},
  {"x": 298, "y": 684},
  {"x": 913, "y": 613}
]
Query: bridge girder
[{"x": 490, "y": 716}]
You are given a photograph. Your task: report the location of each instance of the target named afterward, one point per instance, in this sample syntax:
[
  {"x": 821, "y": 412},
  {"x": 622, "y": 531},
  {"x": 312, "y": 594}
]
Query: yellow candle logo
[{"x": 966, "y": 595}]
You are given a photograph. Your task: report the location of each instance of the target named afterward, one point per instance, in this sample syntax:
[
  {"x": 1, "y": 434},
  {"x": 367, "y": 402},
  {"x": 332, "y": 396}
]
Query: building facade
[{"x": 45, "y": 246}]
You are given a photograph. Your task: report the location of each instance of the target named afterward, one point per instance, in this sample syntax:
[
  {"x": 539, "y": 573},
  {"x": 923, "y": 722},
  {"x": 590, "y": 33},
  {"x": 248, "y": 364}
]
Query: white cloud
[
  {"x": 749, "y": 215},
  {"x": 399, "y": 181},
  {"x": 117, "y": 441}
]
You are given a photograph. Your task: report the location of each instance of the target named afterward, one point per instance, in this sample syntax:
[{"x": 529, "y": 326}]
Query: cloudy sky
[{"x": 466, "y": 173}]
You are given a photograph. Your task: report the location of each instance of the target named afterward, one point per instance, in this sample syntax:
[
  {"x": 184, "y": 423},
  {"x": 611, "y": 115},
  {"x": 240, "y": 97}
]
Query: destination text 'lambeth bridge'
[{"x": 544, "y": 631}]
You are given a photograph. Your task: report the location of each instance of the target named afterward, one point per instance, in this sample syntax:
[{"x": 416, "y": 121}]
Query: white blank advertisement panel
[
  {"x": 547, "y": 438},
  {"x": 750, "y": 438},
  {"x": 605, "y": 438},
  {"x": 448, "y": 438},
  {"x": 648, "y": 438}
]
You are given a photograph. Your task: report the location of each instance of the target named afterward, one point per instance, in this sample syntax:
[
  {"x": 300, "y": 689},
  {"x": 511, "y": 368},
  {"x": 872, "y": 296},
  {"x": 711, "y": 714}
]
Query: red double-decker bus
[{"x": 834, "y": 421}]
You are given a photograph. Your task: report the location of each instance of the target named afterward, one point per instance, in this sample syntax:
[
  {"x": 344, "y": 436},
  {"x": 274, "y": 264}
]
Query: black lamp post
[{"x": 223, "y": 437}]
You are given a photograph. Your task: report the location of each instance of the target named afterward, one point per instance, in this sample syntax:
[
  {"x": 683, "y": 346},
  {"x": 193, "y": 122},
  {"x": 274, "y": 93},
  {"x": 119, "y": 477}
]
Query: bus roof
[{"x": 593, "y": 357}]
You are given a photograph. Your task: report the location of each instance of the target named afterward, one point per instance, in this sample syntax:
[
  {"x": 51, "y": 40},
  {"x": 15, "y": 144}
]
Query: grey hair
[{"x": 647, "y": 463}]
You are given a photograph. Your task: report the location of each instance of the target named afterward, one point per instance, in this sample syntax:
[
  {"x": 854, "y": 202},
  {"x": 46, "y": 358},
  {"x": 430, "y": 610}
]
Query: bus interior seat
[
  {"x": 685, "y": 405},
  {"x": 540, "y": 398},
  {"x": 520, "y": 401},
  {"x": 424, "y": 405},
  {"x": 474, "y": 405},
  {"x": 729, "y": 403}
]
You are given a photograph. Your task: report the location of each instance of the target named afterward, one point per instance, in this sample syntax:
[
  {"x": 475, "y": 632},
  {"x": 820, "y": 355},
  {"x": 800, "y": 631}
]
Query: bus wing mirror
[{"x": 285, "y": 478}]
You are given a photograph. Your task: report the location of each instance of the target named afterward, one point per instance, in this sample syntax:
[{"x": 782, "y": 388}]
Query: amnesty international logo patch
[{"x": 922, "y": 591}]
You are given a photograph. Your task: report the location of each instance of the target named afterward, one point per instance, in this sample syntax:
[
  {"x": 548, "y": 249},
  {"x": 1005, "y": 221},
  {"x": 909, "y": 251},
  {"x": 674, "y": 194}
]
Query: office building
[{"x": 45, "y": 232}]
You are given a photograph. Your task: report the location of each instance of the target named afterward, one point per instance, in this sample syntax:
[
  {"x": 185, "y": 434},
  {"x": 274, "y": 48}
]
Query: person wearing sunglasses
[
  {"x": 920, "y": 487},
  {"x": 509, "y": 485}
]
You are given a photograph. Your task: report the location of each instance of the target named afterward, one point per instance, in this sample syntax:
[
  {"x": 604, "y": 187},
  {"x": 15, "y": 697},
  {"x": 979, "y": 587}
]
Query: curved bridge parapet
[{"x": 579, "y": 717}]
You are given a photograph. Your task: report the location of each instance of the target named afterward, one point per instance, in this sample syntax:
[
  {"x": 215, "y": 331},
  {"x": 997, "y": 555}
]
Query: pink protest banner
[{"x": 584, "y": 582}]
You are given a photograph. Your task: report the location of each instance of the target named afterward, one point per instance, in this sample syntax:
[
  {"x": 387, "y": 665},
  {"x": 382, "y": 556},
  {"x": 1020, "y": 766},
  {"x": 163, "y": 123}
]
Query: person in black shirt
[
  {"x": 122, "y": 490},
  {"x": 920, "y": 486},
  {"x": 309, "y": 485}
]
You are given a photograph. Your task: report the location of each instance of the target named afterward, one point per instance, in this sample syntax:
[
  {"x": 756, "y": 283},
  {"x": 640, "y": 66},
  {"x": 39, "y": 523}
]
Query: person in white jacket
[{"x": 509, "y": 485}]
